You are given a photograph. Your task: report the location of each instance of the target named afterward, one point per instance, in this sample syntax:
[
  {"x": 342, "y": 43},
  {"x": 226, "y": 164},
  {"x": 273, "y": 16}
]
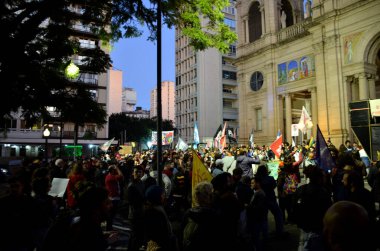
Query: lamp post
[{"x": 46, "y": 134}]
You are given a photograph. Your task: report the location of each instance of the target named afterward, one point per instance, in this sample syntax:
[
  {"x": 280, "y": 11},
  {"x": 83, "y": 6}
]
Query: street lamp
[{"x": 46, "y": 134}]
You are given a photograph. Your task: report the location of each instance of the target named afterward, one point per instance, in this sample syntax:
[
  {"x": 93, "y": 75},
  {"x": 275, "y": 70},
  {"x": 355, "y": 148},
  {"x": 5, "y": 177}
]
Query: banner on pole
[
  {"x": 167, "y": 137},
  {"x": 294, "y": 130}
]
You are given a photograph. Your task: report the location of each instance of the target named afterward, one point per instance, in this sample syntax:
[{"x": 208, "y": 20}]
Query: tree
[
  {"x": 130, "y": 129},
  {"x": 39, "y": 41}
]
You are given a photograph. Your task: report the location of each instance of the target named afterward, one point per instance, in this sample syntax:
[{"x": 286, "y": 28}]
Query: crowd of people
[{"x": 332, "y": 208}]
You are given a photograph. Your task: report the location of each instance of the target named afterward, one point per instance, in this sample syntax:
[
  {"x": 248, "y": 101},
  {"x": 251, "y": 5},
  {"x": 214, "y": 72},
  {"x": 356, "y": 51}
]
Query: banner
[
  {"x": 167, "y": 137},
  {"x": 200, "y": 173},
  {"x": 106, "y": 145},
  {"x": 294, "y": 130},
  {"x": 223, "y": 141},
  {"x": 375, "y": 107}
]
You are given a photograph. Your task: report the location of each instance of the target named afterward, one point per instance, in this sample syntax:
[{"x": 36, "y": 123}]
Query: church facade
[{"x": 321, "y": 55}]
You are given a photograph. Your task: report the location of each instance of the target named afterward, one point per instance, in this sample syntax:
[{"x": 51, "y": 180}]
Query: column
[
  {"x": 363, "y": 87},
  {"x": 262, "y": 10},
  {"x": 314, "y": 110},
  {"x": 288, "y": 118},
  {"x": 246, "y": 29},
  {"x": 280, "y": 109},
  {"x": 354, "y": 88},
  {"x": 372, "y": 87}
]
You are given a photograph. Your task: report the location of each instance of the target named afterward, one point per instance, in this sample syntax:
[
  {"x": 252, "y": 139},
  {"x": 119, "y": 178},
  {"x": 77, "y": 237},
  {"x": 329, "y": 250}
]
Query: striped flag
[{"x": 278, "y": 133}]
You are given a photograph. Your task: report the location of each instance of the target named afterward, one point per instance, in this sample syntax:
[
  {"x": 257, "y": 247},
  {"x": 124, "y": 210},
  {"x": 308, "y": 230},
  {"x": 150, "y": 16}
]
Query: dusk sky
[{"x": 136, "y": 57}]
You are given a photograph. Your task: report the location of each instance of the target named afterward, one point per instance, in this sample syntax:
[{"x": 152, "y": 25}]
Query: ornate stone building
[{"x": 292, "y": 53}]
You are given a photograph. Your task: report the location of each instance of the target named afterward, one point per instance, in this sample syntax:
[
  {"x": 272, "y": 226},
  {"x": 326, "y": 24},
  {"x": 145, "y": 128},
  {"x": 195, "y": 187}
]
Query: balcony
[
  {"x": 230, "y": 113},
  {"x": 230, "y": 95},
  {"x": 294, "y": 31},
  {"x": 229, "y": 82}
]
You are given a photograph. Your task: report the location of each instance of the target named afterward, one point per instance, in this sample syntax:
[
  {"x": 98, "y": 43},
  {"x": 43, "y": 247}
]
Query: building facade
[
  {"x": 129, "y": 99},
  {"x": 206, "y": 87},
  {"x": 167, "y": 101},
  {"x": 292, "y": 53},
  {"x": 115, "y": 92}
]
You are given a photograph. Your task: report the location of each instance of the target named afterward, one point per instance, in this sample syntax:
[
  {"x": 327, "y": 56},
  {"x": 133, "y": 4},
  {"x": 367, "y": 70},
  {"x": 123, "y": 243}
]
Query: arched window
[
  {"x": 287, "y": 8},
  {"x": 254, "y": 22}
]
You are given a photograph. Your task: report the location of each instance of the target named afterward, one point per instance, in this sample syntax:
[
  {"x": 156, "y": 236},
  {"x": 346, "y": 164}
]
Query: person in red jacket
[{"x": 112, "y": 183}]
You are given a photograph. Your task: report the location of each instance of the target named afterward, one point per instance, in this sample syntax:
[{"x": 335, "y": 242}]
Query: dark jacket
[
  {"x": 200, "y": 230},
  {"x": 245, "y": 163}
]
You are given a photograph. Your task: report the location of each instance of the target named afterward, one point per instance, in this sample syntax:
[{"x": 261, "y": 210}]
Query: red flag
[{"x": 276, "y": 146}]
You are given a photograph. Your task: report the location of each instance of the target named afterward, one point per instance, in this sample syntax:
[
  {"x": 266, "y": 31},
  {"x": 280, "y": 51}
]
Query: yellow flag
[{"x": 200, "y": 173}]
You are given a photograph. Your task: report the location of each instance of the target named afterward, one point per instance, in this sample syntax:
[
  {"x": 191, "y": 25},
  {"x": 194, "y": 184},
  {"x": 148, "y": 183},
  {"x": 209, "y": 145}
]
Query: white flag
[
  {"x": 181, "y": 145},
  {"x": 305, "y": 121},
  {"x": 106, "y": 145},
  {"x": 196, "y": 134}
]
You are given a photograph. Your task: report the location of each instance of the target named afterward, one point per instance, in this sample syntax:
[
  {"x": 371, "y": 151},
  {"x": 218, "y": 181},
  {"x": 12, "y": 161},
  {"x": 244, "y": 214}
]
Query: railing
[{"x": 292, "y": 31}]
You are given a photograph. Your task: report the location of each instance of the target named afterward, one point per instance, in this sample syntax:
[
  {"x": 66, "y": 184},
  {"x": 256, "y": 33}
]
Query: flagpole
[{"x": 159, "y": 104}]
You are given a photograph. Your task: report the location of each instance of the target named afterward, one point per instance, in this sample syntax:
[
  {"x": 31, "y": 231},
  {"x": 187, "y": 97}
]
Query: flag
[
  {"x": 106, "y": 145},
  {"x": 323, "y": 155},
  {"x": 230, "y": 135},
  {"x": 217, "y": 136},
  {"x": 311, "y": 142},
  {"x": 181, "y": 145},
  {"x": 196, "y": 134},
  {"x": 278, "y": 133},
  {"x": 251, "y": 142},
  {"x": 222, "y": 142},
  {"x": 276, "y": 146},
  {"x": 305, "y": 121},
  {"x": 200, "y": 173}
]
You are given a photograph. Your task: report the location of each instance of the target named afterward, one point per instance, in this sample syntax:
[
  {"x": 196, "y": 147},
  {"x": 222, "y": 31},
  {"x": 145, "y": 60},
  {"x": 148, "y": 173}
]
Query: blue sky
[{"x": 137, "y": 58}]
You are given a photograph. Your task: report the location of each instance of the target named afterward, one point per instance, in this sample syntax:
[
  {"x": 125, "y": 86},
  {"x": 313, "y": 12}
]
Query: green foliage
[{"x": 39, "y": 42}]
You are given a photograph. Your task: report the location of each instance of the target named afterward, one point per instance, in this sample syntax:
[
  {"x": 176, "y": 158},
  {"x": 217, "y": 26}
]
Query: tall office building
[
  {"x": 115, "y": 103},
  {"x": 167, "y": 101},
  {"x": 21, "y": 141},
  {"x": 322, "y": 55},
  {"x": 129, "y": 99},
  {"x": 206, "y": 87}
]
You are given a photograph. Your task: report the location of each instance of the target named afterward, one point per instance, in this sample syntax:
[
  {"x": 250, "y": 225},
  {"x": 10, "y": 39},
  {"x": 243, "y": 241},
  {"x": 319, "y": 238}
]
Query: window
[
  {"x": 230, "y": 22},
  {"x": 229, "y": 75},
  {"x": 232, "y": 51},
  {"x": 257, "y": 81},
  {"x": 259, "y": 119},
  {"x": 254, "y": 22}
]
